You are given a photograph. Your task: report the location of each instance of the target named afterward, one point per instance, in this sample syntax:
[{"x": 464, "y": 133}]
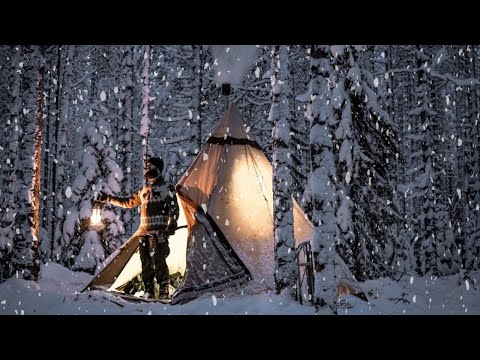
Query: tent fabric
[
  {"x": 200, "y": 178},
  {"x": 235, "y": 179},
  {"x": 231, "y": 126},
  {"x": 212, "y": 263},
  {"x": 226, "y": 200}
]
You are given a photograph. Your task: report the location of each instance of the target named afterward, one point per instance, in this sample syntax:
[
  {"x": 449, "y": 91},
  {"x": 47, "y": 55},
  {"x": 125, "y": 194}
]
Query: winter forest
[{"x": 378, "y": 144}]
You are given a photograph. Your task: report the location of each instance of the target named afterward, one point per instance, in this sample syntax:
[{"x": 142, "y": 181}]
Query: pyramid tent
[{"x": 227, "y": 206}]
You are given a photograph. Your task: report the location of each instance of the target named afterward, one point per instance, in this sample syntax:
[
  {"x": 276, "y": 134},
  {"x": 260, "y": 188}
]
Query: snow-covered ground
[{"x": 57, "y": 292}]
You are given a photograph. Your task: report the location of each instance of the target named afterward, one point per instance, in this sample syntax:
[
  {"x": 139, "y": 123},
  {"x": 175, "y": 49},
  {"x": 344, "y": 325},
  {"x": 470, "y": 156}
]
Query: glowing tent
[{"x": 226, "y": 202}]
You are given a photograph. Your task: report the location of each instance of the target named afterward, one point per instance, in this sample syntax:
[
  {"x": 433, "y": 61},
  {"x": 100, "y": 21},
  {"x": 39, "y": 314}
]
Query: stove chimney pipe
[{"x": 226, "y": 89}]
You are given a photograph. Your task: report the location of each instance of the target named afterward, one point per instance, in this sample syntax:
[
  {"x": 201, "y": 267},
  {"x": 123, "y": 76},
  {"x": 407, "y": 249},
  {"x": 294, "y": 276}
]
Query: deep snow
[{"x": 57, "y": 292}]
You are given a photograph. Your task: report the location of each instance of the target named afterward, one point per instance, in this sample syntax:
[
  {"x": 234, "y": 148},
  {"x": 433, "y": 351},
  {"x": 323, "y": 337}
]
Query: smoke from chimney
[{"x": 231, "y": 62}]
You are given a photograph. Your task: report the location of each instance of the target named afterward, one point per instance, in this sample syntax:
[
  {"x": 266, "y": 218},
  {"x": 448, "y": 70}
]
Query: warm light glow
[
  {"x": 176, "y": 260},
  {"x": 96, "y": 218},
  {"x": 343, "y": 290}
]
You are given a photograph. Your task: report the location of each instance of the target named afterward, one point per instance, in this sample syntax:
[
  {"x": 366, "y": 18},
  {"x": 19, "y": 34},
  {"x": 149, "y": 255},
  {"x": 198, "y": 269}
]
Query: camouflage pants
[{"x": 153, "y": 254}]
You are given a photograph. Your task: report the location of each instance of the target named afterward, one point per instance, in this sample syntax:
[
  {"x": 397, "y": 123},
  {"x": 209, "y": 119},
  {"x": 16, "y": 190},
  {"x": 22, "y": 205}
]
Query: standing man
[{"x": 158, "y": 220}]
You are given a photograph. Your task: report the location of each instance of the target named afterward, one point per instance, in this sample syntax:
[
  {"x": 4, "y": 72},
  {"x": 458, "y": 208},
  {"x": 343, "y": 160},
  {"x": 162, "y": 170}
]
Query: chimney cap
[{"x": 226, "y": 89}]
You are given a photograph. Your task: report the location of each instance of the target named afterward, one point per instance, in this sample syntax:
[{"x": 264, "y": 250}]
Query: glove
[
  {"x": 103, "y": 198},
  {"x": 171, "y": 229}
]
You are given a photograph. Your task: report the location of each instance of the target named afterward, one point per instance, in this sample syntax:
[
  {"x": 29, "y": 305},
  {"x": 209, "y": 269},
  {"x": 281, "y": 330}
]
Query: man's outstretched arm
[{"x": 125, "y": 202}]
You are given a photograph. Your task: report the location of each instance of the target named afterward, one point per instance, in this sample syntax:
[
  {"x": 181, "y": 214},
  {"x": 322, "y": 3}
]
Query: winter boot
[{"x": 163, "y": 293}]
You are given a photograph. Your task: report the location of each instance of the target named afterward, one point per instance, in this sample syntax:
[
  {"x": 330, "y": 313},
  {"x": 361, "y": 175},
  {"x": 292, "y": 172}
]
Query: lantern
[{"x": 96, "y": 218}]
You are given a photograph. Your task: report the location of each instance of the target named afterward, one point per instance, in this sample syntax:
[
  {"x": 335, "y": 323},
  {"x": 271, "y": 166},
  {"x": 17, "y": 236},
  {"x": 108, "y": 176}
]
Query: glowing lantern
[{"x": 96, "y": 218}]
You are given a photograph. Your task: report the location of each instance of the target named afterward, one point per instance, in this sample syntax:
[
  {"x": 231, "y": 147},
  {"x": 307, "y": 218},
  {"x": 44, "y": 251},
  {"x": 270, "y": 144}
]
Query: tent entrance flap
[{"x": 212, "y": 265}]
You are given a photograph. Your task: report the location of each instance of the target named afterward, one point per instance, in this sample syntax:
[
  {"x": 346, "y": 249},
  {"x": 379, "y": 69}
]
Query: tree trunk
[
  {"x": 25, "y": 256},
  {"x": 285, "y": 265},
  {"x": 61, "y": 140},
  {"x": 145, "y": 122},
  {"x": 37, "y": 167},
  {"x": 197, "y": 94},
  {"x": 322, "y": 182},
  {"x": 125, "y": 131}
]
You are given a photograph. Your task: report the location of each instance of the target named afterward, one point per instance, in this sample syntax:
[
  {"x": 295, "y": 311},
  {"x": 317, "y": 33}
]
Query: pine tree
[
  {"x": 25, "y": 258},
  {"x": 348, "y": 175},
  {"x": 285, "y": 265},
  {"x": 178, "y": 122},
  {"x": 145, "y": 122},
  {"x": 300, "y": 149},
  {"x": 321, "y": 190},
  {"x": 63, "y": 102},
  {"x": 425, "y": 170},
  {"x": 373, "y": 150},
  {"x": 448, "y": 257},
  {"x": 51, "y": 83},
  {"x": 400, "y": 255},
  {"x": 12, "y": 163},
  {"x": 125, "y": 136},
  {"x": 474, "y": 180},
  {"x": 86, "y": 246}
]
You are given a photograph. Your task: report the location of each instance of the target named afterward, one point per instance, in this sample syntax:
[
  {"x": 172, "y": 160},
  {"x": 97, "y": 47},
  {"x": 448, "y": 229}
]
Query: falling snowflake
[
  {"x": 439, "y": 58},
  {"x": 459, "y": 193},
  {"x": 204, "y": 208},
  {"x": 103, "y": 96},
  {"x": 375, "y": 82},
  {"x": 348, "y": 177},
  {"x": 257, "y": 72},
  {"x": 467, "y": 284},
  {"x": 414, "y": 299},
  {"x": 68, "y": 192},
  {"x": 214, "y": 300},
  {"x": 115, "y": 89},
  {"x": 227, "y": 223},
  {"x": 205, "y": 156},
  {"x": 411, "y": 280}
]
